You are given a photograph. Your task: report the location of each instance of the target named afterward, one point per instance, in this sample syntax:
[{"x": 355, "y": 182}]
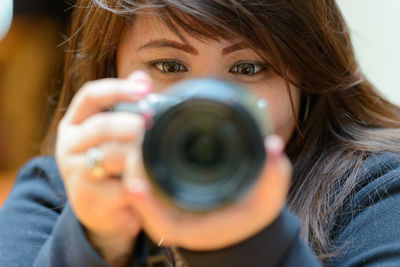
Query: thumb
[
  {"x": 134, "y": 173},
  {"x": 152, "y": 210},
  {"x": 273, "y": 184}
]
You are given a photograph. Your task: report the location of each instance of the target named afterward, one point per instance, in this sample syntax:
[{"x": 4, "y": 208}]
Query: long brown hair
[{"x": 343, "y": 120}]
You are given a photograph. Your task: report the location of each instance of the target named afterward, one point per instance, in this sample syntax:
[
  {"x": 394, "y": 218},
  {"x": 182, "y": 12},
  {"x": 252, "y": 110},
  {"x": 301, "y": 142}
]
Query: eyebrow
[
  {"x": 169, "y": 43},
  {"x": 234, "y": 47},
  {"x": 161, "y": 43}
]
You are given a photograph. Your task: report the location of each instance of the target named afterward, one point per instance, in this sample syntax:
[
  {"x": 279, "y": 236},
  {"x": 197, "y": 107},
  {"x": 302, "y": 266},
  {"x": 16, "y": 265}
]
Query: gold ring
[{"x": 94, "y": 162}]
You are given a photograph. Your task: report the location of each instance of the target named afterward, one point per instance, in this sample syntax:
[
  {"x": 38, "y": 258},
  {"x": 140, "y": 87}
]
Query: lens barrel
[{"x": 205, "y": 148}]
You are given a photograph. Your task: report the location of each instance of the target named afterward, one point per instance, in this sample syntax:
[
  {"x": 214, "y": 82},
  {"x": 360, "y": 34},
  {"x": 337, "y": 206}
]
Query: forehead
[
  {"x": 148, "y": 26},
  {"x": 151, "y": 26}
]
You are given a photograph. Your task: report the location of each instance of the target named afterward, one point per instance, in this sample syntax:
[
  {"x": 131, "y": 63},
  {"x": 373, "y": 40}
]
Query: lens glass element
[{"x": 202, "y": 151}]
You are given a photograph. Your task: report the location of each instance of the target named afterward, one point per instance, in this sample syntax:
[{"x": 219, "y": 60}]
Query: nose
[{"x": 209, "y": 67}]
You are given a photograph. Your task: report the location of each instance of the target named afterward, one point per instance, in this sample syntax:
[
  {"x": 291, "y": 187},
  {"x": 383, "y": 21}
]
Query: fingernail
[
  {"x": 148, "y": 119},
  {"x": 274, "y": 146},
  {"x": 136, "y": 185},
  {"x": 139, "y": 75},
  {"x": 141, "y": 81},
  {"x": 142, "y": 88}
]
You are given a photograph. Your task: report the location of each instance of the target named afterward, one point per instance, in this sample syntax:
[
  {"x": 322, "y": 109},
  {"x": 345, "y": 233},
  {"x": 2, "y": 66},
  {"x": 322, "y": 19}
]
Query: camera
[{"x": 205, "y": 148}]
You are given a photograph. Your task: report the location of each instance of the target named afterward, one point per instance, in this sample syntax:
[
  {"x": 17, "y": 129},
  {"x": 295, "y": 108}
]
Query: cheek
[
  {"x": 123, "y": 64},
  {"x": 280, "y": 108},
  {"x": 282, "y": 117}
]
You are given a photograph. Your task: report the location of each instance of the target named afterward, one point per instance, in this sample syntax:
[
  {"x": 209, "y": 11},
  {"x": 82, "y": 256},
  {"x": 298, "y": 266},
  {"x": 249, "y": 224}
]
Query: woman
[{"x": 341, "y": 136}]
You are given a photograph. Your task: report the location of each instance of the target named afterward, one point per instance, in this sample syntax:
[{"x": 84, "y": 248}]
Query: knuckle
[
  {"x": 101, "y": 92},
  {"x": 83, "y": 91},
  {"x": 125, "y": 126},
  {"x": 62, "y": 124},
  {"x": 133, "y": 121},
  {"x": 134, "y": 128},
  {"x": 87, "y": 86},
  {"x": 104, "y": 127},
  {"x": 99, "y": 123},
  {"x": 88, "y": 92}
]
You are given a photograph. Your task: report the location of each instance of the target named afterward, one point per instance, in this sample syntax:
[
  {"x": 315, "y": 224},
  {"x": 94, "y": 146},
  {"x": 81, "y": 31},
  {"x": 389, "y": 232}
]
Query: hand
[
  {"x": 216, "y": 229},
  {"x": 101, "y": 203}
]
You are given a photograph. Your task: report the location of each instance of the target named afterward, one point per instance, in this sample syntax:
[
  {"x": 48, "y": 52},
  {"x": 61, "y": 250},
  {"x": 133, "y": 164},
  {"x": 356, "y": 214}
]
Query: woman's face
[{"x": 151, "y": 46}]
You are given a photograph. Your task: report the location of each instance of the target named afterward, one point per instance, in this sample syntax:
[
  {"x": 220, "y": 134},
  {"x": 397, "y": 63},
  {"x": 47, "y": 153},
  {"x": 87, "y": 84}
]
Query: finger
[
  {"x": 105, "y": 199},
  {"x": 96, "y": 96},
  {"x": 140, "y": 192},
  {"x": 111, "y": 188},
  {"x": 273, "y": 184},
  {"x": 101, "y": 128},
  {"x": 161, "y": 219},
  {"x": 155, "y": 215},
  {"x": 134, "y": 173},
  {"x": 113, "y": 156}
]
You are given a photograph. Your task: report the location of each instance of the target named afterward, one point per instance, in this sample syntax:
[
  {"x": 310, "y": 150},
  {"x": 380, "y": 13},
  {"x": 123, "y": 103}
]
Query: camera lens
[{"x": 205, "y": 151}]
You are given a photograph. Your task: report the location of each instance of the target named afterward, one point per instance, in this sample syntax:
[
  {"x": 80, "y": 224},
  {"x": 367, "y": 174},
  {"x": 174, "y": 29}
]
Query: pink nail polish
[
  {"x": 136, "y": 186},
  {"x": 148, "y": 118},
  {"x": 142, "y": 89},
  {"x": 274, "y": 146},
  {"x": 139, "y": 76}
]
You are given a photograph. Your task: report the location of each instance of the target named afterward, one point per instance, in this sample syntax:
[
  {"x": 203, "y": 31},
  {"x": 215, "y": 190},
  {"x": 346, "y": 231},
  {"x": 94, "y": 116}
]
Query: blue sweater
[{"x": 38, "y": 227}]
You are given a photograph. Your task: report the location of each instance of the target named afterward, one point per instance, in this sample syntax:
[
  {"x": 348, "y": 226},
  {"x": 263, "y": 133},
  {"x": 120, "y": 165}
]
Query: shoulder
[
  {"x": 39, "y": 176},
  {"x": 367, "y": 226},
  {"x": 31, "y": 212},
  {"x": 379, "y": 177},
  {"x": 40, "y": 165},
  {"x": 379, "y": 165},
  {"x": 377, "y": 190}
]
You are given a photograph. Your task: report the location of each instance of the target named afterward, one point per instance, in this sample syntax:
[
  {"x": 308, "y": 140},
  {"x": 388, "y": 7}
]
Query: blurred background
[
  {"x": 31, "y": 58},
  {"x": 375, "y": 31}
]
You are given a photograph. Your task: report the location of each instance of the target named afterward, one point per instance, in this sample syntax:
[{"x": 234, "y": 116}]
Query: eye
[
  {"x": 246, "y": 68},
  {"x": 169, "y": 66}
]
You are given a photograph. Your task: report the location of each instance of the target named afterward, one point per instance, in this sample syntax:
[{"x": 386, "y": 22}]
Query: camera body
[{"x": 205, "y": 148}]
